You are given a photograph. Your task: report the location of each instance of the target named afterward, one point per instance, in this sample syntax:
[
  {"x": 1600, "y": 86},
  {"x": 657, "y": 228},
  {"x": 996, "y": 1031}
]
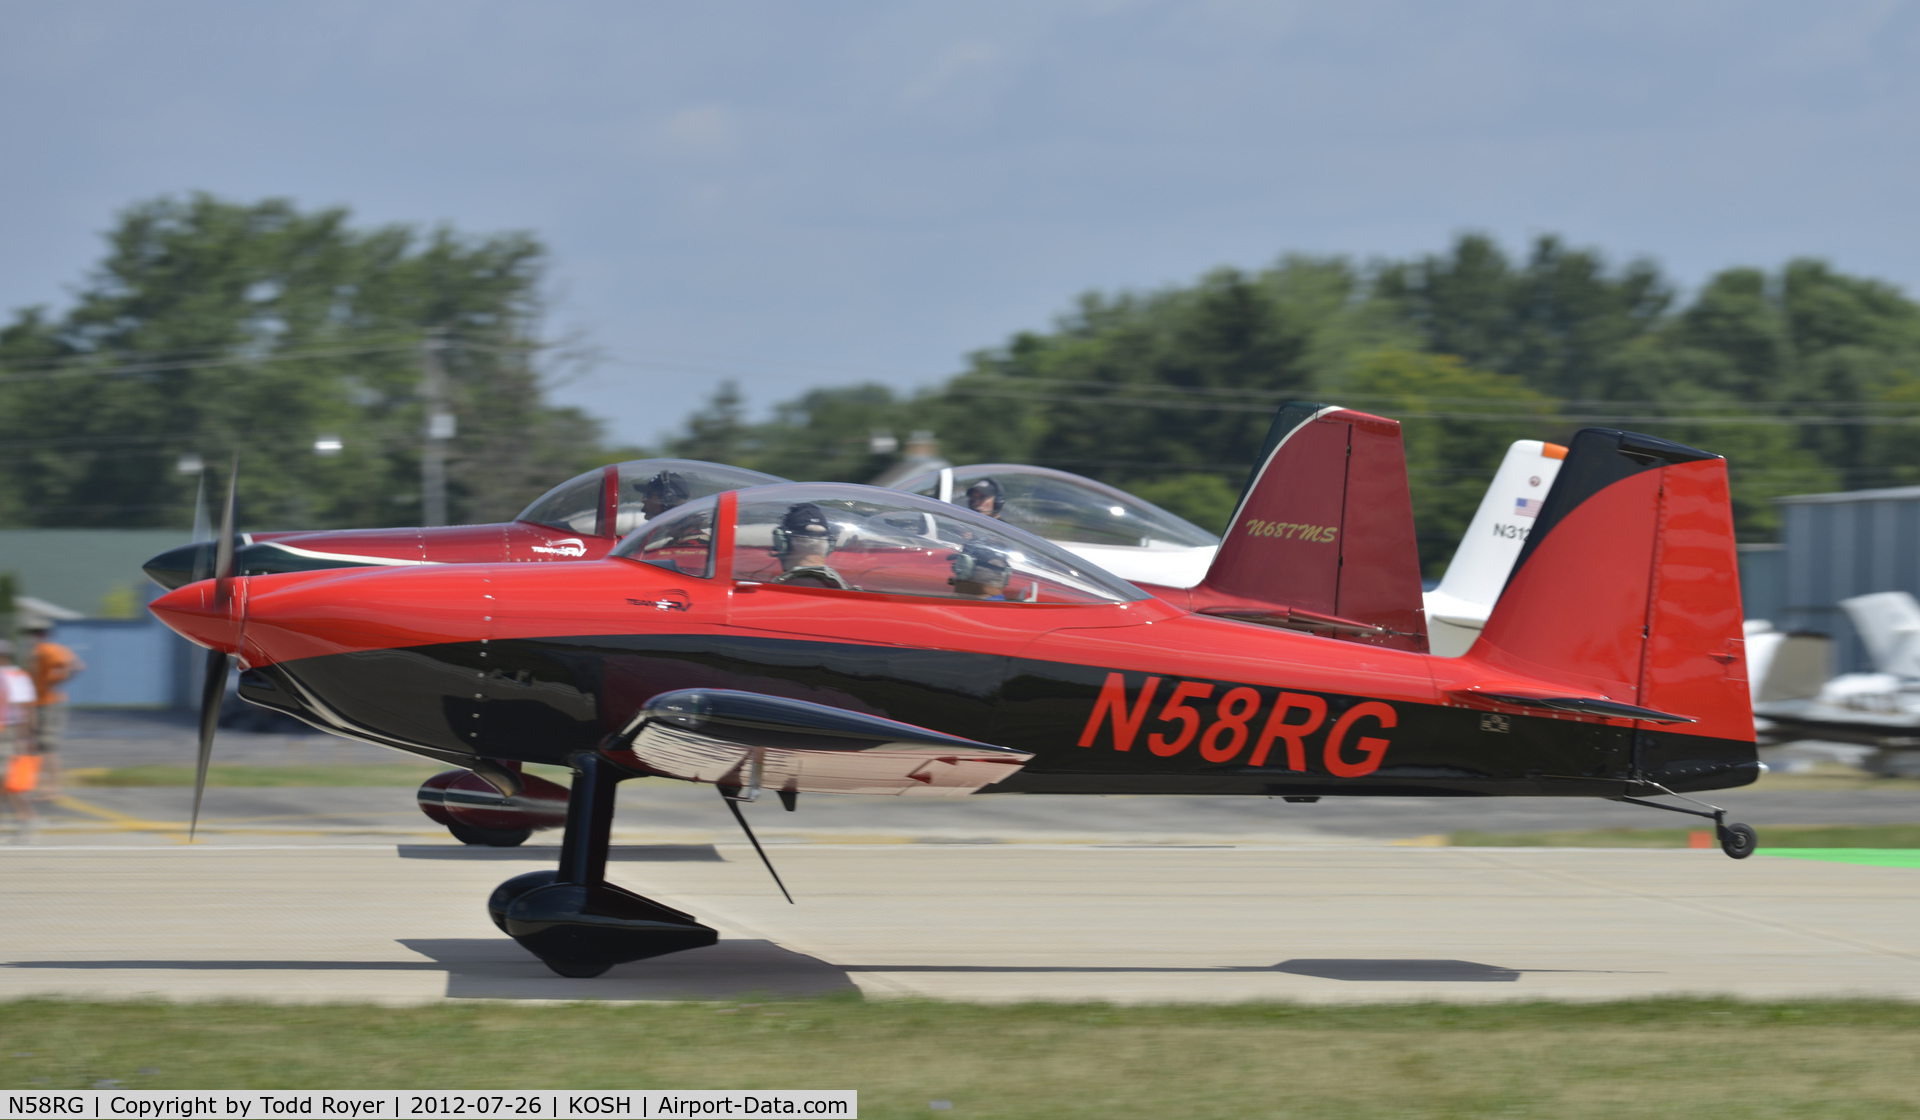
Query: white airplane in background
[
  {"x": 1796, "y": 697},
  {"x": 1458, "y": 608},
  {"x": 1140, "y": 542}
]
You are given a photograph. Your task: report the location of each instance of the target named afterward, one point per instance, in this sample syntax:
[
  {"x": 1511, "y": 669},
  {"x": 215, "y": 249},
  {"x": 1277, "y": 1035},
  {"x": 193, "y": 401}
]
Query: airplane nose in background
[
  {"x": 200, "y": 614},
  {"x": 178, "y": 567}
]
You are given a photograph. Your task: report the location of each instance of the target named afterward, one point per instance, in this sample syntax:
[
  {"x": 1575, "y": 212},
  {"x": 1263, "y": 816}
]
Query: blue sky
[{"x": 816, "y": 193}]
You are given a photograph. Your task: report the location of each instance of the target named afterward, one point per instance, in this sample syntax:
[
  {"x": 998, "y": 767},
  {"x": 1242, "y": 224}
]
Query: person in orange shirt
[
  {"x": 22, "y": 773},
  {"x": 52, "y": 664}
]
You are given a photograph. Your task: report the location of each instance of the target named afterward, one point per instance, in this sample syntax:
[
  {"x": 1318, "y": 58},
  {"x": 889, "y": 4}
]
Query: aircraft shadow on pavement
[
  {"x": 496, "y": 968},
  {"x": 1386, "y": 969},
  {"x": 550, "y": 853},
  {"x": 1400, "y": 969}
]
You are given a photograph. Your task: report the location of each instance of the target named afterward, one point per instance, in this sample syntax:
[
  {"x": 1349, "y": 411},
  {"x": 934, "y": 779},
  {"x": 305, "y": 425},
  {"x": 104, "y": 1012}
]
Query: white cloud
[
  {"x": 952, "y": 67},
  {"x": 708, "y": 131}
]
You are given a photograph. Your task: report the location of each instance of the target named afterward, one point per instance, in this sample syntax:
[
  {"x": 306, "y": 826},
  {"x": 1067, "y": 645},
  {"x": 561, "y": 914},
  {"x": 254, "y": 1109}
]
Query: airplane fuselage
[{"x": 540, "y": 663}]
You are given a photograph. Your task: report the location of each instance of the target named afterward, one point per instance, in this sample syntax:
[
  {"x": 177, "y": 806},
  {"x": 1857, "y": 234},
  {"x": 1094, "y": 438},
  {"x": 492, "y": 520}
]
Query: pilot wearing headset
[
  {"x": 980, "y": 571},
  {"x": 662, "y": 492},
  {"x": 802, "y": 541},
  {"x": 986, "y": 496}
]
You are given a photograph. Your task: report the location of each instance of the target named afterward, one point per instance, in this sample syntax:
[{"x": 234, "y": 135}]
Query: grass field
[
  {"x": 1777, "y": 836},
  {"x": 1672, "y": 1058},
  {"x": 1828, "y": 775}
]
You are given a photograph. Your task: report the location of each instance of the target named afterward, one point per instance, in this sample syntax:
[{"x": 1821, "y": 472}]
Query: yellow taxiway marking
[
  {"x": 116, "y": 821},
  {"x": 125, "y": 822}
]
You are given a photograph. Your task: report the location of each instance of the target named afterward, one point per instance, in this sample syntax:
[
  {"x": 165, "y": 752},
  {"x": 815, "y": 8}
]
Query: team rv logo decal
[
  {"x": 1288, "y": 530},
  {"x": 671, "y": 600},
  {"x": 571, "y": 546},
  {"x": 1344, "y": 749}
]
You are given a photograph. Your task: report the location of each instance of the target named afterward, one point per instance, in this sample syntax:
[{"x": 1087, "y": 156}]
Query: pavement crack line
[{"x": 1706, "y": 908}]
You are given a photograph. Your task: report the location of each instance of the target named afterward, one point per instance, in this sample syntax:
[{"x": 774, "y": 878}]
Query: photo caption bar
[{"x": 405, "y": 1104}]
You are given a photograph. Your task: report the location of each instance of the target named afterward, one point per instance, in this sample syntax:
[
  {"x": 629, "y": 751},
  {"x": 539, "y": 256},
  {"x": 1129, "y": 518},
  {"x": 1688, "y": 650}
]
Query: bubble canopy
[
  {"x": 647, "y": 488},
  {"x": 1060, "y": 506},
  {"x": 863, "y": 538}
]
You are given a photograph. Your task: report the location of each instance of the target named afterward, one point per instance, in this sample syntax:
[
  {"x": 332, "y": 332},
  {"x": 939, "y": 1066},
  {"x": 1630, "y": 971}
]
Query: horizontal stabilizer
[
  {"x": 1293, "y": 618},
  {"x": 1585, "y": 705},
  {"x": 754, "y": 741}
]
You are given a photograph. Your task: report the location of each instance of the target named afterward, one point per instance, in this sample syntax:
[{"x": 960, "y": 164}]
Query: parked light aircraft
[
  {"x": 812, "y": 638},
  {"x": 1881, "y": 709},
  {"x": 1146, "y": 545}
]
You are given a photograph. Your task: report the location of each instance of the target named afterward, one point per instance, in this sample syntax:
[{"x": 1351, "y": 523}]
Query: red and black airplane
[{"x": 830, "y": 638}]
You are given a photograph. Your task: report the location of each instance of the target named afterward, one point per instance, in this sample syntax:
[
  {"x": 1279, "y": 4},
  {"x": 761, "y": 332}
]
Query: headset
[
  {"x": 976, "y": 560},
  {"x": 669, "y": 487},
  {"x": 801, "y": 520},
  {"x": 990, "y": 487}
]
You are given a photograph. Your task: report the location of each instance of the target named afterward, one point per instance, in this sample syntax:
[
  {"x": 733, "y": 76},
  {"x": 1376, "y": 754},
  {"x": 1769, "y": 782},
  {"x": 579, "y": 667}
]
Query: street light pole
[{"x": 440, "y": 429}]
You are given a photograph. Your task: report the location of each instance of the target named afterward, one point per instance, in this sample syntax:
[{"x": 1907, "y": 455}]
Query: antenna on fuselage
[{"x": 731, "y": 795}]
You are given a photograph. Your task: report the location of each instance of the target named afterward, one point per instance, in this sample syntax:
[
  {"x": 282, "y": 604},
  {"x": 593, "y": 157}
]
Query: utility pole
[{"x": 440, "y": 429}]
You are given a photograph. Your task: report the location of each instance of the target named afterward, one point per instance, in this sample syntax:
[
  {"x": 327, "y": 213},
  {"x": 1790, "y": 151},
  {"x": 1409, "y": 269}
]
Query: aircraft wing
[{"x": 1895, "y": 729}]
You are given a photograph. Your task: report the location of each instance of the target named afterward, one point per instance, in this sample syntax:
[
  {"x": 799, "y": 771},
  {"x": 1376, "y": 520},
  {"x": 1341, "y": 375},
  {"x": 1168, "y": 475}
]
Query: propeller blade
[
  {"x": 212, "y": 691},
  {"x": 202, "y": 529},
  {"x": 733, "y": 804},
  {"x": 223, "y": 553}
]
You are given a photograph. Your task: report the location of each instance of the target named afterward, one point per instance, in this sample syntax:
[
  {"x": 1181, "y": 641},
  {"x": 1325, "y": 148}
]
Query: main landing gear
[
  {"x": 1737, "y": 840},
  {"x": 573, "y": 919}
]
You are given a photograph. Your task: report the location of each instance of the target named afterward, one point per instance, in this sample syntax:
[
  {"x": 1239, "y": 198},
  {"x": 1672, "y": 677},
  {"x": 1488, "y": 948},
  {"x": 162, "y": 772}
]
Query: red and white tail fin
[
  {"x": 1323, "y": 537},
  {"x": 1627, "y": 592}
]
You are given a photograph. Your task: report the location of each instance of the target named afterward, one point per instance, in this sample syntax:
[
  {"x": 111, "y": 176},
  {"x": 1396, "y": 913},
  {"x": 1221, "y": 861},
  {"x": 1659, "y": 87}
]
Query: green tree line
[
  {"x": 214, "y": 326},
  {"x": 1807, "y": 379},
  {"x": 211, "y": 326}
]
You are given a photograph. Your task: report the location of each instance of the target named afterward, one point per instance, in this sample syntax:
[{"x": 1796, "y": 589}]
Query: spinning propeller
[{"x": 214, "y": 688}]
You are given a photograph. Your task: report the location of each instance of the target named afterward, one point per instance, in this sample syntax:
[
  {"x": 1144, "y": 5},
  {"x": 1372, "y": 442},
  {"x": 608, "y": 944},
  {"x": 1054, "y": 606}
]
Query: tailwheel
[
  {"x": 1738, "y": 840},
  {"x": 489, "y": 837},
  {"x": 575, "y": 921}
]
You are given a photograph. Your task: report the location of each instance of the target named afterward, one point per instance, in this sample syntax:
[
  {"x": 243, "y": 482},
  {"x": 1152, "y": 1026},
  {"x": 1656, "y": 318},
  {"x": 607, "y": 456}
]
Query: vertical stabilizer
[
  {"x": 1458, "y": 608},
  {"x": 1627, "y": 590},
  {"x": 1889, "y": 623},
  {"x": 1323, "y": 536}
]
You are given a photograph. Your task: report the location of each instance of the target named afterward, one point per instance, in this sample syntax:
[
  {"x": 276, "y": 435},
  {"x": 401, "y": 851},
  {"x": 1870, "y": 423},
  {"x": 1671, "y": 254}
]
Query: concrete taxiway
[
  {"x": 328, "y": 893},
  {"x": 405, "y": 924}
]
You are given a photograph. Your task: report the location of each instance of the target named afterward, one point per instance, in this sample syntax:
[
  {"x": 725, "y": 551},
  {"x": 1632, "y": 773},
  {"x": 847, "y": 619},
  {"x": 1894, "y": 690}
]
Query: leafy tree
[
  {"x": 1806, "y": 378},
  {"x": 1554, "y": 322},
  {"x": 1457, "y": 423},
  {"x": 212, "y": 326}
]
